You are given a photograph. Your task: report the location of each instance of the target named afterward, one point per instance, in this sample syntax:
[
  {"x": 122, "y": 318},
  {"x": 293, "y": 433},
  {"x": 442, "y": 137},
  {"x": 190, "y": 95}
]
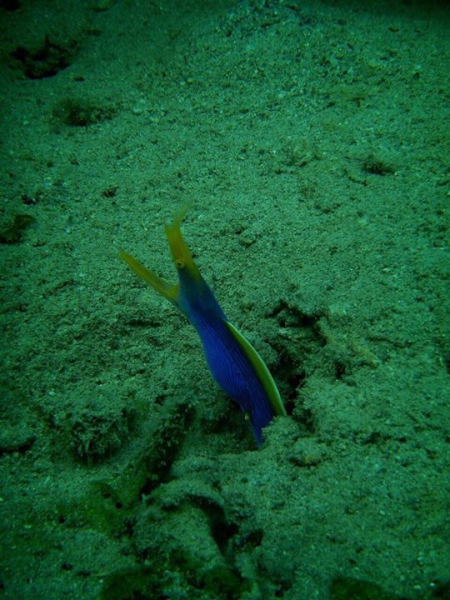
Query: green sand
[{"x": 313, "y": 137}]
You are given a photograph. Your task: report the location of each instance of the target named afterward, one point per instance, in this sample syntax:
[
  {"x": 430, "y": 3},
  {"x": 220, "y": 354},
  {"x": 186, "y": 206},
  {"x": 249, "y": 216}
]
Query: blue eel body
[{"x": 234, "y": 363}]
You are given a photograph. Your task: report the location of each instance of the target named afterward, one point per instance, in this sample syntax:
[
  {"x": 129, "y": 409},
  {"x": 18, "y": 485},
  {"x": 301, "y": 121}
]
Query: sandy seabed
[{"x": 313, "y": 138}]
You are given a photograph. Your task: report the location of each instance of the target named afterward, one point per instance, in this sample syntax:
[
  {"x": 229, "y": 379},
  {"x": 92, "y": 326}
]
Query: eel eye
[{"x": 180, "y": 263}]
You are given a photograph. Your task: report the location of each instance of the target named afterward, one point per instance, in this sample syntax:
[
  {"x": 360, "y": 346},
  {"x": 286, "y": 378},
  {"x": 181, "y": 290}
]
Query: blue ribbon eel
[{"x": 234, "y": 363}]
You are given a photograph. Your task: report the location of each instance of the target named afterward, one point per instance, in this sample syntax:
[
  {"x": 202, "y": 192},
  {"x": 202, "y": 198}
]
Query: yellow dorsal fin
[{"x": 263, "y": 373}]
